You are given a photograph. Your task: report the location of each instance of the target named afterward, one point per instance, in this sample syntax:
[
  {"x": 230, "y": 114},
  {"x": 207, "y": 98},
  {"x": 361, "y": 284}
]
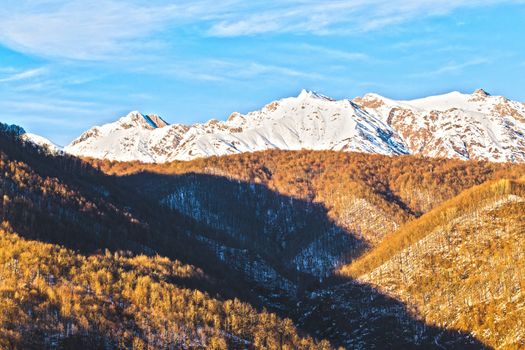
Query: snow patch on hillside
[{"x": 42, "y": 142}]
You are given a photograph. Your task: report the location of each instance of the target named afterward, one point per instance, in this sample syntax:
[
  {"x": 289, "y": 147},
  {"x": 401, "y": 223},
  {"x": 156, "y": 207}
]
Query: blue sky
[{"x": 68, "y": 65}]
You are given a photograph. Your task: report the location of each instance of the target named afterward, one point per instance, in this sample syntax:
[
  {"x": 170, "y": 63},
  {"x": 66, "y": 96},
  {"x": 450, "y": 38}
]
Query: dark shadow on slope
[
  {"x": 278, "y": 228},
  {"x": 290, "y": 233},
  {"x": 358, "y": 316},
  {"x": 253, "y": 222},
  {"x": 64, "y": 200}
]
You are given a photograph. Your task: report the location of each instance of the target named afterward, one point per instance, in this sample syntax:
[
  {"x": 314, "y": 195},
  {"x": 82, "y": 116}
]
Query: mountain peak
[
  {"x": 481, "y": 92},
  {"x": 137, "y": 119},
  {"x": 372, "y": 100},
  {"x": 312, "y": 94},
  {"x": 42, "y": 142},
  {"x": 453, "y": 125},
  {"x": 156, "y": 120}
]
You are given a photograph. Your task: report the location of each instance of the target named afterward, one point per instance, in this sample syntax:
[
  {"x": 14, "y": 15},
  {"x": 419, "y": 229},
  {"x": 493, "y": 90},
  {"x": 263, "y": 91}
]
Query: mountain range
[
  {"x": 311, "y": 224},
  {"x": 454, "y": 125}
]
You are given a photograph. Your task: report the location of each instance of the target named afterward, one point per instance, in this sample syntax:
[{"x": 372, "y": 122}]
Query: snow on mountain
[
  {"x": 308, "y": 121},
  {"x": 453, "y": 125},
  {"x": 147, "y": 138},
  {"x": 43, "y": 143},
  {"x": 456, "y": 125}
]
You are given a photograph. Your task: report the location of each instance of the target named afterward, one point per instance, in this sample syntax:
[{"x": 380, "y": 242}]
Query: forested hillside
[
  {"x": 231, "y": 252},
  {"x": 367, "y": 195},
  {"x": 54, "y": 298},
  {"x": 114, "y": 290},
  {"x": 461, "y": 266},
  {"x": 60, "y": 199}
]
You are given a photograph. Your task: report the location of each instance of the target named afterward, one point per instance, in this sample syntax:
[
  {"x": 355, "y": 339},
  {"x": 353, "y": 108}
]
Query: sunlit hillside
[
  {"x": 113, "y": 290},
  {"x": 369, "y": 195},
  {"x": 261, "y": 250},
  {"x": 52, "y": 297},
  {"x": 461, "y": 266}
]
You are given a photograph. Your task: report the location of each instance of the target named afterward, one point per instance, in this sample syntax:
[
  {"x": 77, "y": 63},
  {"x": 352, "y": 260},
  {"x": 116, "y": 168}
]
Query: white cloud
[
  {"x": 253, "y": 69},
  {"x": 339, "y": 16},
  {"x": 215, "y": 70},
  {"x": 336, "y": 54},
  {"x": 24, "y": 75},
  {"x": 454, "y": 67},
  {"x": 111, "y": 29},
  {"x": 49, "y": 105},
  {"x": 82, "y": 30}
]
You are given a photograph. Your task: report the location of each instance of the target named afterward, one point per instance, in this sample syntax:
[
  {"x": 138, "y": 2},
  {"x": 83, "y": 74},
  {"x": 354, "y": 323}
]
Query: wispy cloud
[
  {"x": 24, "y": 75},
  {"x": 81, "y": 30},
  {"x": 258, "y": 69},
  {"x": 454, "y": 67},
  {"x": 414, "y": 43},
  {"x": 49, "y": 105},
  {"x": 220, "y": 70},
  {"x": 110, "y": 29},
  {"x": 337, "y": 17},
  {"x": 336, "y": 54}
]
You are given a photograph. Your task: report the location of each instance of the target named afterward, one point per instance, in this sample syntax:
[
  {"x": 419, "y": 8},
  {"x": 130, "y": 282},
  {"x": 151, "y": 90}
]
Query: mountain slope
[
  {"x": 54, "y": 298},
  {"x": 86, "y": 263},
  {"x": 235, "y": 201},
  {"x": 308, "y": 121},
  {"x": 124, "y": 269},
  {"x": 461, "y": 265},
  {"x": 394, "y": 189},
  {"x": 455, "y": 125},
  {"x": 368, "y": 196},
  {"x": 101, "y": 283},
  {"x": 465, "y": 126},
  {"x": 42, "y": 142},
  {"x": 133, "y": 137},
  {"x": 311, "y": 211},
  {"x": 63, "y": 200}
]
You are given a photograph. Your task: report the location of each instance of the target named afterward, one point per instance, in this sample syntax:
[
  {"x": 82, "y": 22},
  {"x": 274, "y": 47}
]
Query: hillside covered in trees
[
  {"x": 462, "y": 265},
  {"x": 270, "y": 250},
  {"x": 113, "y": 290},
  {"x": 384, "y": 203},
  {"x": 54, "y": 298},
  {"x": 368, "y": 195}
]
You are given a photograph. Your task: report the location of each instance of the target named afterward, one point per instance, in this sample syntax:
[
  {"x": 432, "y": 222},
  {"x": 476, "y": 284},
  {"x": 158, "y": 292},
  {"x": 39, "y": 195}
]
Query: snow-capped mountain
[
  {"x": 147, "y": 138},
  {"x": 454, "y": 125},
  {"x": 308, "y": 121},
  {"x": 42, "y": 142}
]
